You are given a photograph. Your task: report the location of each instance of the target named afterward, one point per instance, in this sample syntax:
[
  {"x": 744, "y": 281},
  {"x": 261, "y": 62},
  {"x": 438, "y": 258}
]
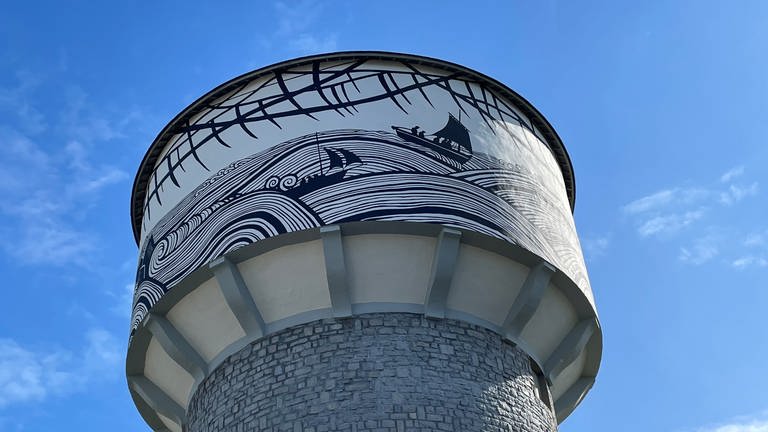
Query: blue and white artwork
[{"x": 363, "y": 139}]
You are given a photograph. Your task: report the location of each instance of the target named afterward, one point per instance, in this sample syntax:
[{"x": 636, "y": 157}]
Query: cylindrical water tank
[{"x": 359, "y": 241}]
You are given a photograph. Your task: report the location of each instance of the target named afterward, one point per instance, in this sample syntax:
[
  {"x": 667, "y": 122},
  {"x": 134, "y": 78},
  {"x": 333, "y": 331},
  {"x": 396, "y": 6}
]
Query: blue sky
[{"x": 663, "y": 107}]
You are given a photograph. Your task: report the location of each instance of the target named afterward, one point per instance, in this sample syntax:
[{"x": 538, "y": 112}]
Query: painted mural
[{"x": 357, "y": 140}]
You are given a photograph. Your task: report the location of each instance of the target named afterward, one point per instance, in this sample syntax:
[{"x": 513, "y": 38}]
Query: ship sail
[
  {"x": 349, "y": 157},
  {"x": 335, "y": 159},
  {"x": 456, "y": 132}
]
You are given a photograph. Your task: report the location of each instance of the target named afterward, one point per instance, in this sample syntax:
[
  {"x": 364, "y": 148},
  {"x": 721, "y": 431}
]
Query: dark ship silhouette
[
  {"x": 340, "y": 161},
  {"x": 451, "y": 141}
]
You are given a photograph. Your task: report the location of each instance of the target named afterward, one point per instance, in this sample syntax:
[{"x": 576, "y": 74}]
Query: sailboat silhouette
[
  {"x": 340, "y": 161},
  {"x": 451, "y": 141}
]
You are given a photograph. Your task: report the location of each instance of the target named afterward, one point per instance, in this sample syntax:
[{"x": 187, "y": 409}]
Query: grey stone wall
[{"x": 374, "y": 372}]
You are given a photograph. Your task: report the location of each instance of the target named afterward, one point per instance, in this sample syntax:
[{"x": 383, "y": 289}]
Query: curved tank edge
[{"x": 147, "y": 164}]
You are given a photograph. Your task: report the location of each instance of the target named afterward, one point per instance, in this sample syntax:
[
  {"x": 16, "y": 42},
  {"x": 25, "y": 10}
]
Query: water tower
[{"x": 359, "y": 241}]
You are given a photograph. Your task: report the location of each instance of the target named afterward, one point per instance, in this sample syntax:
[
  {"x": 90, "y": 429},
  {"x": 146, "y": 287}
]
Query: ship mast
[{"x": 319, "y": 160}]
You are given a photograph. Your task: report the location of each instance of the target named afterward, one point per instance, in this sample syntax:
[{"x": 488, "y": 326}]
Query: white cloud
[
  {"x": 47, "y": 193},
  {"x": 650, "y": 202},
  {"x": 81, "y": 120},
  {"x": 670, "y": 212},
  {"x": 36, "y": 204},
  {"x": 307, "y": 43},
  {"x": 749, "y": 261},
  {"x": 756, "y": 239},
  {"x": 28, "y": 375},
  {"x": 700, "y": 252},
  {"x": 669, "y": 223},
  {"x": 21, "y": 158},
  {"x": 673, "y": 206},
  {"x": 756, "y": 426},
  {"x": 79, "y": 312},
  {"x": 123, "y": 301},
  {"x": 22, "y": 374},
  {"x": 105, "y": 177},
  {"x": 86, "y": 178},
  {"x": 102, "y": 353},
  {"x": 757, "y": 423},
  {"x": 51, "y": 242},
  {"x": 736, "y": 193},
  {"x": 698, "y": 217},
  {"x": 664, "y": 198},
  {"x": 595, "y": 246},
  {"x": 731, "y": 174},
  {"x": 296, "y": 16},
  {"x": 16, "y": 103},
  {"x": 295, "y": 25}
]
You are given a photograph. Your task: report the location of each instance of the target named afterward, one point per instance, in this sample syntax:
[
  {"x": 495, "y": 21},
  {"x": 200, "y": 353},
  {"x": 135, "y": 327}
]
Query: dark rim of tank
[{"x": 150, "y": 158}]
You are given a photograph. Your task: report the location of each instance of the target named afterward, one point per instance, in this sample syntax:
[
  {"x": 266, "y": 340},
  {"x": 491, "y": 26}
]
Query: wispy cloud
[
  {"x": 43, "y": 195},
  {"x": 48, "y": 190},
  {"x": 101, "y": 353},
  {"x": 701, "y": 251},
  {"x": 79, "y": 119},
  {"x": 308, "y": 43},
  {"x": 29, "y": 375},
  {"x": 756, "y": 239},
  {"x": 87, "y": 178},
  {"x": 755, "y": 426},
  {"x": 663, "y": 198},
  {"x": 297, "y": 23},
  {"x": 693, "y": 216},
  {"x": 732, "y": 174},
  {"x": 15, "y": 102},
  {"x": 680, "y": 204},
  {"x": 749, "y": 261},
  {"x": 755, "y": 251},
  {"x": 669, "y": 223},
  {"x": 52, "y": 242},
  {"x": 677, "y": 207},
  {"x": 123, "y": 301},
  {"x": 24, "y": 375},
  {"x": 736, "y": 193},
  {"x": 667, "y": 211},
  {"x": 650, "y": 202},
  {"x": 595, "y": 246},
  {"x": 755, "y": 423},
  {"x": 297, "y": 16}
]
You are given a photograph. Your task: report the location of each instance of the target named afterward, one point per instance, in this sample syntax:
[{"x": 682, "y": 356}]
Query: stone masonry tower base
[{"x": 374, "y": 372}]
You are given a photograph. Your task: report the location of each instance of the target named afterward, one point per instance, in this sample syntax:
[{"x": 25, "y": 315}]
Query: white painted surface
[
  {"x": 165, "y": 373},
  {"x": 552, "y": 321},
  {"x": 288, "y": 280},
  {"x": 205, "y": 320},
  {"x": 485, "y": 284},
  {"x": 388, "y": 268}
]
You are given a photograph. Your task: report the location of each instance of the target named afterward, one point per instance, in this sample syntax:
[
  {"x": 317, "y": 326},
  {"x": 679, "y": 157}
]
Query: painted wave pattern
[
  {"x": 295, "y": 186},
  {"x": 347, "y": 87}
]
